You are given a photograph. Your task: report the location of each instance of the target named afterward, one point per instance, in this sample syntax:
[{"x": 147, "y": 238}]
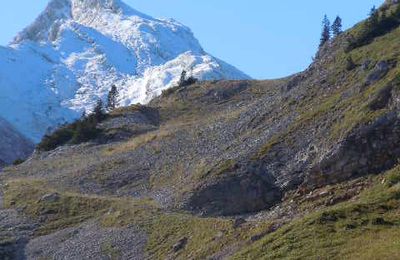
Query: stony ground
[
  {"x": 88, "y": 241},
  {"x": 15, "y": 232}
]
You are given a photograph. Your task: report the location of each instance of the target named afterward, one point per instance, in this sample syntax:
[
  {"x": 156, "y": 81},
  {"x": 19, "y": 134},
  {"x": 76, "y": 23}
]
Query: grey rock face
[
  {"x": 368, "y": 150},
  {"x": 380, "y": 70},
  {"x": 13, "y": 145},
  {"x": 250, "y": 189}
]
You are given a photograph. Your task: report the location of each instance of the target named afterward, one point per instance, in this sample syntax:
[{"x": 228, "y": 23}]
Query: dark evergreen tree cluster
[
  {"x": 184, "y": 81},
  {"x": 379, "y": 22},
  {"x": 82, "y": 130},
  {"x": 329, "y": 31}
]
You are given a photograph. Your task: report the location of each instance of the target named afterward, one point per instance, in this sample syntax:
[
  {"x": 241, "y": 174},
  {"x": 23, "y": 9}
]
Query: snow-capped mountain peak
[
  {"x": 40, "y": 30},
  {"x": 73, "y": 53}
]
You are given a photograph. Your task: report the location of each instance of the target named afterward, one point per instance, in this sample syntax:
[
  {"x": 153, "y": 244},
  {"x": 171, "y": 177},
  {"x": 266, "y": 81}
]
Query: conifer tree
[
  {"x": 98, "y": 111},
  {"x": 326, "y": 31},
  {"x": 373, "y": 17},
  {"x": 373, "y": 11},
  {"x": 337, "y": 26},
  {"x": 182, "y": 80},
  {"x": 112, "y": 98}
]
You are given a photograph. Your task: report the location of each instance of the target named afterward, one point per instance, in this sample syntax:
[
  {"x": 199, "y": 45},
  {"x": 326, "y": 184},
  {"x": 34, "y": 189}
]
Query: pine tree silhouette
[
  {"x": 337, "y": 27},
  {"x": 112, "y": 98},
  {"x": 326, "y": 31}
]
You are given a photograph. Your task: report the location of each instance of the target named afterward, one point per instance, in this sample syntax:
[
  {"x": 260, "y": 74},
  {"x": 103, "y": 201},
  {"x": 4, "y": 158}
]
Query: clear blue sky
[{"x": 264, "y": 38}]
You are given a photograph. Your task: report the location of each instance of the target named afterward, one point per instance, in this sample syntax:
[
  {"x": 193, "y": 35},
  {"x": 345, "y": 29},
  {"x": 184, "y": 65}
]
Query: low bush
[
  {"x": 18, "y": 161},
  {"x": 82, "y": 130}
]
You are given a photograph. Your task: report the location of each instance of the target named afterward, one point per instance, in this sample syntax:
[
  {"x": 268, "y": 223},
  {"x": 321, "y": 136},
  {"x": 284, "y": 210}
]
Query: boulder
[
  {"x": 178, "y": 246},
  {"x": 50, "y": 198}
]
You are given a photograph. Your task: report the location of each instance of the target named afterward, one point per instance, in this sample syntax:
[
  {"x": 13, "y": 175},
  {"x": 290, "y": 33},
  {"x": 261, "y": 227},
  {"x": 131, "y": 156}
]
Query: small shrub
[
  {"x": 18, "y": 161},
  {"x": 394, "y": 177},
  {"x": 380, "y": 222},
  {"x": 350, "y": 65}
]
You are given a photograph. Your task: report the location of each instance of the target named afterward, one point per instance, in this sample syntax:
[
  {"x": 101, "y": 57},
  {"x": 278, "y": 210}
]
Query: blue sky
[{"x": 264, "y": 38}]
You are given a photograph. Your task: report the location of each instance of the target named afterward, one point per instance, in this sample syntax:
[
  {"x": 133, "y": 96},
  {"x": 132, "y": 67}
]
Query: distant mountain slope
[
  {"x": 77, "y": 49},
  {"x": 13, "y": 145}
]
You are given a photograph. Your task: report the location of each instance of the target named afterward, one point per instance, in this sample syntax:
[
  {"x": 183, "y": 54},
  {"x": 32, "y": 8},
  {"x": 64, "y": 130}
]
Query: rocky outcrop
[
  {"x": 380, "y": 70},
  {"x": 369, "y": 149},
  {"x": 244, "y": 190}
]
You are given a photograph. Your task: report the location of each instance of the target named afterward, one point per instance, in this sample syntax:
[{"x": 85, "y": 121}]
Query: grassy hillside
[
  {"x": 304, "y": 167},
  {"x": 366, "y": 225}
]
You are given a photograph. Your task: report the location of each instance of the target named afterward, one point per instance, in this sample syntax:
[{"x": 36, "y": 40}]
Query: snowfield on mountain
[{"x": 60, "y": 65}]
